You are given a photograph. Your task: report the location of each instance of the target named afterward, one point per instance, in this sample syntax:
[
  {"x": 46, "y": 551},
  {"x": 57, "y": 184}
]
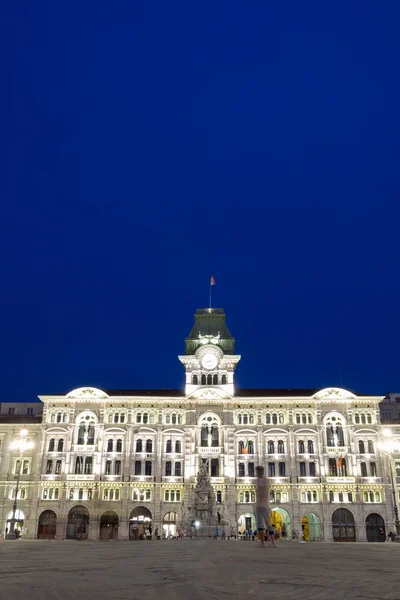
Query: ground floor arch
[
  {"x": 280, "y": 519},
  {"x": 246, "y": 522},
  {"x": 109, "y": 523},
  {"x": 78, "y": 523},
  {"x": 343, "y": 526},
  {"x": 47, "y": 525},
  {"x": 140, "y": 523},
  {"x": 311, "y": 527},
  {"x": 169, "y": 524},
  {"x": 375, "y": 526},
  {"x": 19, "y": 522}
]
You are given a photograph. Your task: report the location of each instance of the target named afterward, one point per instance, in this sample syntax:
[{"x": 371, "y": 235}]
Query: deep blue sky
[{"x": 144, "y": 142}]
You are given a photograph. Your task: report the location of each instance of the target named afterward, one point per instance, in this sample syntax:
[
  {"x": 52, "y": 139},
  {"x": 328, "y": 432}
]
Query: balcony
[
  {"x": 83, "y": 448},
  {"x": 308, "y": 479},
  {"x": 213, "y": 450},
  {"x": 50, "y": 477},
  {"x": 81, "y": 477},
  {"x": 337, "y": 449},
  {"x": 340, "y": 479},
  {"x": 172, "y": 479}
]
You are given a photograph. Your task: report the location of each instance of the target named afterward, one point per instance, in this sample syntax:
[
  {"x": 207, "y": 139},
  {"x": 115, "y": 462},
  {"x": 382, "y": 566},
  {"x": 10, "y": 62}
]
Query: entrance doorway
[
  {"x": 343, "y": 527},
  {"x": 78, "y": 523},
  {"x": 109, "y": 525},
  {"x": 375, "y": 524},
  {"x": 47, "y": 525},
  {"x": 19, "y": 522},
  {"x": 311, "y": 526},
  {"x": 139, "y": 523},
  {"x": 169, "y": 524},
  {"x": 246, "y": 522},
  {"x": 280, "y": 519}
]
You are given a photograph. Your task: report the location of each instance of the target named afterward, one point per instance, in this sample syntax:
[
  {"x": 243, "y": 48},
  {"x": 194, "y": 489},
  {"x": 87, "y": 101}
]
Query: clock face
[{"x": 209, "y": 361}]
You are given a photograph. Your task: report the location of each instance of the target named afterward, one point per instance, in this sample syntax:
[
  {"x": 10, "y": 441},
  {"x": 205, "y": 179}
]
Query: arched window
[
  {"x": 309, "y": 497},
  {"x": 315, "y": 496},
  {"x": 195, "y": 379},
  {"x": 110, "y": 446},
  {"x": 145, "y": 418},
  {"x": 148, "y": 494},
  {"x": 245, "y": 419},
  {"x": 281, "y": 447},
  {"x": 139, "y": 417},
  {"x": 149, "y": 446},
  {"x": 22, "y": 493},
  {"x": 209, "y": 379},
  {"x": 203, "y": 379},
  {"x": 178, "y": 446},
  {"x": 240, "y": 447},
  {"x": 241, "y": 470},
  {"x": 268, "y": 419},
  {"x": 178, "y": 469},
  {"x": 250, "y": 447},
  {"x": 250, "y": 469},
  {"x": 274, "y": 418},
  {"x": 219, "y": 497},
  {"x": 119, "y": 445},
  {"x": 363, "y": 419},
  {"x": 215, "y": 379},
  {"x": 361, "y": 447},
  {"x": 301, "y": 447},
  {"x": 138, "y": 467},
  {"x": 310, "y": 447},
  {"x": 168, "y": 468},
  {"x": 369, "y": 418},
  {"x": 377, "y": 497},
  {"x": 60, "y": 445},
  {"x": 270, "y": 447},
  {"x": 168, "y": 446},
  {"x": 251, "y": 419},
  {"x": 371, "y": 447},
  {"x": 357, "y": 418},
  {"x": 272, "y": 496},
  {"x": 281, "y": 418},
  {"x": 168, "y": 419},
  {"x": 52, "y": 444},
  {"x": 224, "y": 379},
  {"x": 173, "y": 418},
  {"x": 331, "y": 496},
  {"x": 139, "y": 446},
  {"x": 80, "y": 494}
]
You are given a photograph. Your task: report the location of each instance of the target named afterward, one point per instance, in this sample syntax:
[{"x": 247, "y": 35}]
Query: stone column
[
  {"x": 123, "y": 529},
  {"x": 94, "y": 529},
  {"x": 61, "y": 530}
]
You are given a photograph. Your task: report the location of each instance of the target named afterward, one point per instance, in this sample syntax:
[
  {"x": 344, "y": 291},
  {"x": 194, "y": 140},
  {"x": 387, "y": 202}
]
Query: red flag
[
  {"x": 212, "y": 280},
  {"x": 340, "y": 462}
]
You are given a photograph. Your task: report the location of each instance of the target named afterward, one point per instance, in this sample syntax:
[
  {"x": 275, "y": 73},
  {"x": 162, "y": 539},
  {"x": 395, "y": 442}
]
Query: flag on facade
[
  {"x": 212, "y": 280},
  {"x": 340, "y": 462}
]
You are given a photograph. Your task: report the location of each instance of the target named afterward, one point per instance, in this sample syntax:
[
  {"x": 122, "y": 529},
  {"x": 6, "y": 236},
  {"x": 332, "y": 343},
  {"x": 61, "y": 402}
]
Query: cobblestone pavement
[{"x": 56, "y": 570}]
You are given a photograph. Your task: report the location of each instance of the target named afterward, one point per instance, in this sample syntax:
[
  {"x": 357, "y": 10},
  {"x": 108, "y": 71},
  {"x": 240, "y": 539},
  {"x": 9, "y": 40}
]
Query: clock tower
[{"x": 209, "y": 360}]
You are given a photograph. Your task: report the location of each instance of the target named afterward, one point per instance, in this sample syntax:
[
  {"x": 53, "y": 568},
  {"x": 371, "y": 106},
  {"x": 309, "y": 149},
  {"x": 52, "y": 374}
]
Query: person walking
[{"x": 261, "y": 509}]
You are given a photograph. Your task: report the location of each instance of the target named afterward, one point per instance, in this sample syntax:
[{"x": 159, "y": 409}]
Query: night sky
[{"x": 144, "y": 143}]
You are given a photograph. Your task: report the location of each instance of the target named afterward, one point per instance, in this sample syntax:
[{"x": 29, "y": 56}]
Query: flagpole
[{"x": 209, "y": 303}]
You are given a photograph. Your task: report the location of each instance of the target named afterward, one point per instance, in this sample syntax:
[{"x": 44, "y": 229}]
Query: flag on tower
[
  {"x": 340, "y": 462},
  {"x": 212, "y": 280}
]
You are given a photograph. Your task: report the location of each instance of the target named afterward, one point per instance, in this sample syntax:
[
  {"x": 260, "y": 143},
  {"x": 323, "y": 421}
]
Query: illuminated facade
[{"x": 111, "y": 464}]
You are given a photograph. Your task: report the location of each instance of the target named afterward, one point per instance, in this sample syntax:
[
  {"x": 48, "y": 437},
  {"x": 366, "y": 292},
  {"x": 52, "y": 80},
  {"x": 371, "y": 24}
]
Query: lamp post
[
  {"x": 388, "y": 446},
  {"x": 21, "y": 444}
]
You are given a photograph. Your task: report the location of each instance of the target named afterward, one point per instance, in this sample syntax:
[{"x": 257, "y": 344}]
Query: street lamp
[
  {"x": 388, "y": 447},
  {"x": 21, "y": 444}
]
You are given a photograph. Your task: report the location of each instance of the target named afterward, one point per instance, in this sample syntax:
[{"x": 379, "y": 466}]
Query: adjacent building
[{"x": 123, "y": 463}]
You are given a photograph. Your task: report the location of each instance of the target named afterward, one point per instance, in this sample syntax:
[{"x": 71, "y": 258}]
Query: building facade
[{"x": 111, "y": 464}]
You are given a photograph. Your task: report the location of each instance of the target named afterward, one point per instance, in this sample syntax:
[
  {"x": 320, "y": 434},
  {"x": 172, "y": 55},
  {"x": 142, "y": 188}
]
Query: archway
[
  {"x": 19, "y": 522},
  {"x": 280, "y": 519},
  {"x": 246, "y": 522},
  {"x": 78, "y": 523},
  {"x": 109, "y": 525},
  {"x": 375, "y": 524},
  {"x": 47, "y": 525},
  {"x": 139, "y": 523},
  {"x": 343, "y": 527},
  {"x": 311, "y": 526},
  {"x": 169, "y": 524}
]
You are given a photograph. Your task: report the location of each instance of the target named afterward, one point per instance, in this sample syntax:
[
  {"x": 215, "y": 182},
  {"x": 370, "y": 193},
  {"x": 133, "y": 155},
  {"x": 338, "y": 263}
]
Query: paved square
[{"x": 62, "y": 570}]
